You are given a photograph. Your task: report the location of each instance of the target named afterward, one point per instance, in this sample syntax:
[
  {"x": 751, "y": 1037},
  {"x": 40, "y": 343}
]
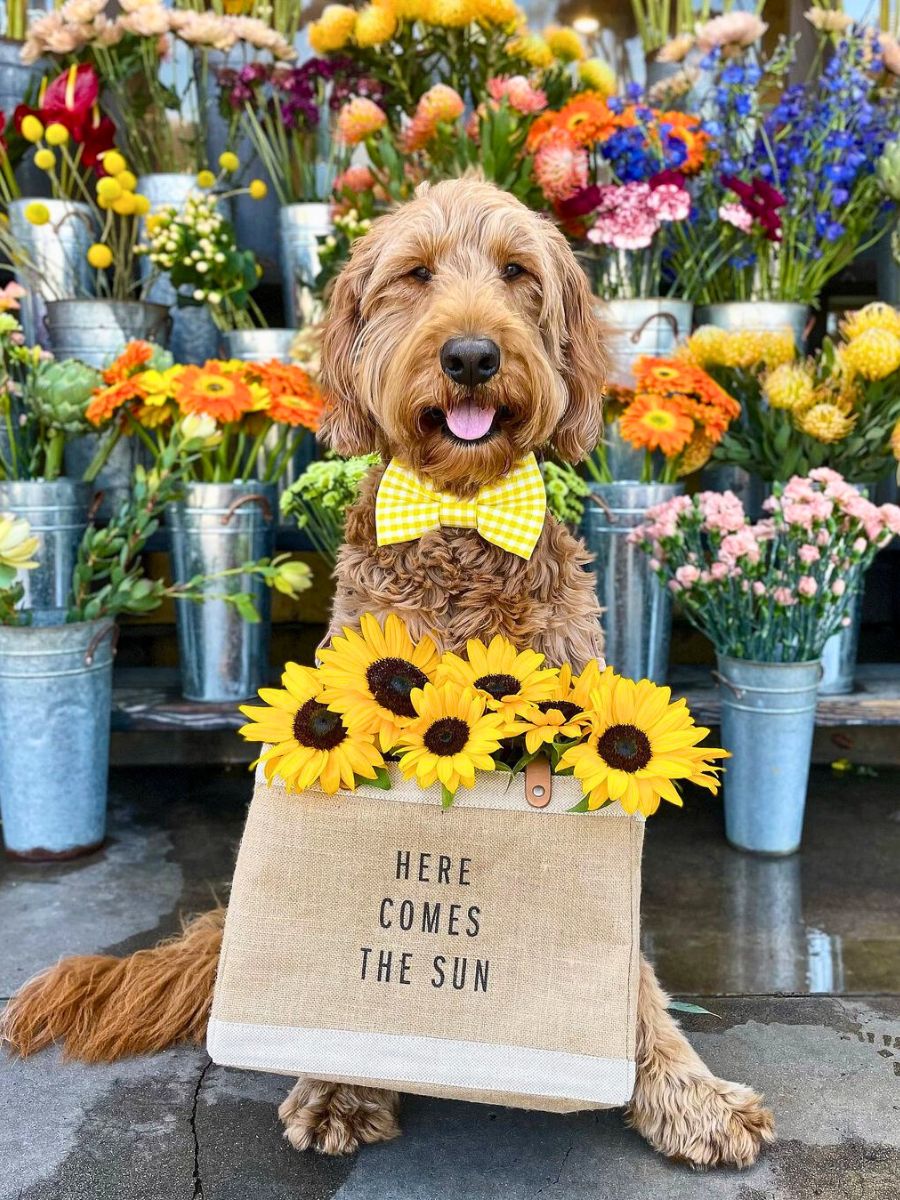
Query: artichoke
[{"x": 61, "y": 392}]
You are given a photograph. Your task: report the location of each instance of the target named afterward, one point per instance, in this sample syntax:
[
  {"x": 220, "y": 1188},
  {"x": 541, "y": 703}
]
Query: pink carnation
[
  {"x": 687, "y": 575},
  {"x": 736, "y": 215},
  {"x": 809, "y": 554},
  {"x": 784, "y": 596},
  {"x": 807, "y": 586},
  {"x": 722, "y": 511},
  {"x": 759, "y": 588},
  {"x": 518, "y": 91},
  {"x": 669, "y": 202},
  {"x": 839, "y": 587}
]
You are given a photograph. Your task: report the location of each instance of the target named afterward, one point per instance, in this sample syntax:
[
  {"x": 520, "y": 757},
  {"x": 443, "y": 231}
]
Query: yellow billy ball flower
[
  {"x": 125, "y": 205},
  {"x": 374, "y": 26},
  {"x": 108, "y": 189},
  {"x": 564, "y": 43},
  {"x": 531, "y": 49},
  {"x": 37, "y": 213},
  {"x": 56, "y": 134},
  {"x": 826, "y": 422},
  {"x": 333, "y": 29},
  {"x": 874, "y": 354},
  {"x": 114, "y": 163},
  {"x": 789, "y": 386},
  {"x": 206, "y": 179},
  {"x": 496, "y": 12},
  {"x": 99, "y": 256},
  {"x": 141, "y": 205},
  {"x": 598, "y": 76},
  {"x": 452, "y": 14},
  {"x": 229, "y": 161},
  {"x": 32, "y": 129},
  {"x": 45, "y": 159},
  {"x": 258, "y": 189},
  {"x": 127, "y": 181}
]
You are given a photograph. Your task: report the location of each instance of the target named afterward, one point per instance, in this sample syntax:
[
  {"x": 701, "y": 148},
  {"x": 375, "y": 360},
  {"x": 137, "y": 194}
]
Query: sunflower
[
  {"x": 309, "y": 743},
  {"x": 656, "y": 423},
  {"x": 216, "y": 389},
  {"x": 639, "y": 745},
  {"x": 561, "y": 715},
  {"x": 369, "y": 676},
  {"x": 508, "y": 679},
  {"x": 451, "y": 736}
]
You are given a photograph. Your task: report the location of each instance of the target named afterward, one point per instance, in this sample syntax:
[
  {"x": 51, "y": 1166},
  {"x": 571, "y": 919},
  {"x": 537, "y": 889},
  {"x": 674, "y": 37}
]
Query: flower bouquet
[
  {"x": 839, "y": 408},
  {"x": 379, "y": 697},
  {"x": 789, "y": 194},
  {"x": 319, "y": 499},
  {"x": 675, "y": 415},
  {"x": 768, "y": 595}
]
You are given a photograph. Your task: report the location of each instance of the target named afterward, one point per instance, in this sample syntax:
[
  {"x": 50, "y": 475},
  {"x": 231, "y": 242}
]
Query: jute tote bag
[{"x": 485, "y": 952}]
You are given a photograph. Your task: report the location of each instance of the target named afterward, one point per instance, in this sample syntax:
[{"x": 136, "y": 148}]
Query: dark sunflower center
[
  {"x": 446, "y": 736},
  {"x": 317, "y": 727},
  {"x": 391, "y": 680},
  {"x": 625, "y": 748},
  {"x": 566, "y": 707},
  {"x": 499, "y": 686}
]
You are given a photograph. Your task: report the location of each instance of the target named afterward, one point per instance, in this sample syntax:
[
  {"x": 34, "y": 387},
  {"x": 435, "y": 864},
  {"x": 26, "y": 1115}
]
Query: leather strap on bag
[{"x": 538, "y": 782}]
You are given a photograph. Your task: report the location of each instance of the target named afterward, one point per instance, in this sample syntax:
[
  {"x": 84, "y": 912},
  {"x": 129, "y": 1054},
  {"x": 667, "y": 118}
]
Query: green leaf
[
  {"x": 581, "y": 806},
  {"x": 446, "y": 796},
  {"x": 684, "y": 1006},
  {"x": 382, "y": 780}
]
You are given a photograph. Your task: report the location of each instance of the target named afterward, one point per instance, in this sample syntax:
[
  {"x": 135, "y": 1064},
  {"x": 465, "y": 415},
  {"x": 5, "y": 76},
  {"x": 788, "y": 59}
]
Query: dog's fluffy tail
[{"x": 103, "y": 1008}]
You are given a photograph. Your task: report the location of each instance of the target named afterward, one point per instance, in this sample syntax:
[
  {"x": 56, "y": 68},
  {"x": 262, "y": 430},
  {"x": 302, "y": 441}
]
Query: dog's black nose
[{"x": 470, "y": 360}]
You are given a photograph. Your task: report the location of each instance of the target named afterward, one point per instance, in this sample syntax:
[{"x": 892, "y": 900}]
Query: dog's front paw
[
  {"x": 336, "y": 1118},
  {"x": 701, "y": 1120}
]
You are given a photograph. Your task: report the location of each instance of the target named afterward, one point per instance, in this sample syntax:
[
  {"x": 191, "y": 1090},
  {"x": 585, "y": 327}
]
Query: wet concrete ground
[{"x": 799, "y": 960}]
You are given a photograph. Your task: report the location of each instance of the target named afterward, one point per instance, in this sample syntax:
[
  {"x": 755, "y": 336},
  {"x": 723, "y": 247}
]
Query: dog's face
[{"x": 461, "y": 336}]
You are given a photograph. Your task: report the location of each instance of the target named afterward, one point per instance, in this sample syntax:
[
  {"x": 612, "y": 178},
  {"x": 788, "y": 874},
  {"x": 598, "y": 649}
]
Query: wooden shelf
[{"x": 147, "y": 700}]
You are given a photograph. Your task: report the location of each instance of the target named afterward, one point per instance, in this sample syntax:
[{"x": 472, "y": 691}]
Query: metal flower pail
[
  {"x": 55, "y": 701},
  {"x": 217, "y": 527},
  {"x": 299, "y": 228},
  {"x": 768, "y": 722},
  {"x": 637, "y": 609},
  {"x": 57, "y": 511},
  {"x": 642, "y": 328},
  {"x": 54, "y": 263}
]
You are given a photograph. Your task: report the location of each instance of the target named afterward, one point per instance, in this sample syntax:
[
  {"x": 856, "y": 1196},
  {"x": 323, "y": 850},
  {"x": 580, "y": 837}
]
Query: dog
[{"x": 462, "y": 337}]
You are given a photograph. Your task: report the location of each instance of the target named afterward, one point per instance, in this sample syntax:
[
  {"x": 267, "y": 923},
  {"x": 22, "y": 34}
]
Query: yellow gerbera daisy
[
  {"x": 309, "y": 742},
  {"x": 507, "y": 678},
  {"x": 640, "y": 744},
  {"x": 451, "y": 736},
  {"x": 368, "y": 676}
]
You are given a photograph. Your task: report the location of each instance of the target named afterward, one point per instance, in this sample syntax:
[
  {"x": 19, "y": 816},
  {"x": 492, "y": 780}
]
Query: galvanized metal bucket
[
  {"x": 215, "y": 527},
  {"x": 758, "y": 316},
  {"x": 639, "y": 328},
  {"x": 57, "y": 511},
  {"x": 113, "y": 484},
  {"x": 260, "y": 345},
  {"x": 839, "y": 655},
  {"x": 749, "y": 489},
  {"x": 16, "y": 78},
  {"x": 768, "y": 721},
  {"x": 95, "y": 331},
  {"x": 300, "y": 226},
  {"x": 637, "y": 617},
  {"x": 194, "y": 337},
  {"x": 55, "y": 265},
  {"x": 55, "y": 700}
]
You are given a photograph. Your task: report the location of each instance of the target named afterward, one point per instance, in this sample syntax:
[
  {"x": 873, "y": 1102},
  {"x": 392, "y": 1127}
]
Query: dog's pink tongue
[{"x": 469, "y": 422}]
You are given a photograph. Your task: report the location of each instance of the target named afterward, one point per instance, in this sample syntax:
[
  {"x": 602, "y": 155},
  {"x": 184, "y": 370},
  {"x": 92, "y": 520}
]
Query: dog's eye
[
  {"x": 421, "y": 273},
  {"x": 512, "y": 271}
]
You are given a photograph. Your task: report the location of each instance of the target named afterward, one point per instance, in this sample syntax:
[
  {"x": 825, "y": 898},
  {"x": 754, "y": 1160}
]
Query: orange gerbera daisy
[
  {"x": 295, "y": 399},
  {"x": 107, "y": 401},
  {"x": 662, "y": 375},
  {"x": 540, "y": 127},
  {"x": 210, "y": 389},
  {"x": 654, "y": 422},
  {"x": 135, "y": 355},
  {"x": 587, "y": 118},
  {"x": 686, "y": 128}
]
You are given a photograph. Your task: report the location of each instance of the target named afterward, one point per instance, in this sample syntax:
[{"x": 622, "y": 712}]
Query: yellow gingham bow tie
[{"x": 510, "y": 514}]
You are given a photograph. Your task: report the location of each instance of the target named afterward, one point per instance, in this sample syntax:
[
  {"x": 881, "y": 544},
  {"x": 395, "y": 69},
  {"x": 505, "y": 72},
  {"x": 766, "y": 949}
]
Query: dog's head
[{"x": 462, "y": 335}]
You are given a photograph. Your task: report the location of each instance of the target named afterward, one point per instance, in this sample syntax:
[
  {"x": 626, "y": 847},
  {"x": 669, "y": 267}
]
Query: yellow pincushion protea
[
  {"x": 496, "y": 12},
  {"x": 598, "y": 75},
  {"x": 333, "y": 29},
  {"x": 640, "y": 747},
  {"x": 531, "y": 49},
  {"x": 453, "y": 734},
  {"x": 873, "y": 354},
  {"x": 310, "y": 744},
  {"x": 874, "y": 316},
  {"x": 710, "y": 346},
  {"x": 508, "y": 679},
  {"x": 789, "y": 386},
  {"x": 825, "y": 421},
  {"x": 369, "y": 676},
  {"x": 451, "y": 14}
]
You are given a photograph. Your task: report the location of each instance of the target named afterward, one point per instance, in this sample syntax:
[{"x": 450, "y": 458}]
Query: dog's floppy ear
[
  {"x": 584, "y": 362},
  {"x": 346, "y": 425}
]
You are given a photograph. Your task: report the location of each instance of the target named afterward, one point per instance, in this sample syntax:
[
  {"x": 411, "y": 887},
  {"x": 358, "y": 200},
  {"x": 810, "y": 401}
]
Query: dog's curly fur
[{"x": 381, "y": 368}]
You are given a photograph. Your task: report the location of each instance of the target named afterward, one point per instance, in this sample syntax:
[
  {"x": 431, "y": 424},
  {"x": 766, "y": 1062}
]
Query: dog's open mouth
[{"x": 467, "y": 421}]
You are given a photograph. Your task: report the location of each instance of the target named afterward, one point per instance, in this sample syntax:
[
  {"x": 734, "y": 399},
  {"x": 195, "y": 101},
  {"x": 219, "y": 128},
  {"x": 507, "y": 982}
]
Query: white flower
[
  {"x": 731, "y": 29},
  {"x": 828, "y": 20}
]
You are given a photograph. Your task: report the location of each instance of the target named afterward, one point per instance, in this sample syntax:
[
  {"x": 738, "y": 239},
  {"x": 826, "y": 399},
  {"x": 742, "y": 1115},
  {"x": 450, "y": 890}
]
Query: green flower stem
[{"x": 101, "y": 457}]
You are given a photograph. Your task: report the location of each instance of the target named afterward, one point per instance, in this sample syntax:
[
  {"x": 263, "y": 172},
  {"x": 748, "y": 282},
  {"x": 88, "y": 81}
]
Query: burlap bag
[{"x": 487, "y": 952}]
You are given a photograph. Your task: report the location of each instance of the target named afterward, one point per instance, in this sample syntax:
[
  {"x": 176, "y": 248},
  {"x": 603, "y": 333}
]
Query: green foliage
[
  {"x": 566, "y": 492},
  {"x": 319, "y": 500}
]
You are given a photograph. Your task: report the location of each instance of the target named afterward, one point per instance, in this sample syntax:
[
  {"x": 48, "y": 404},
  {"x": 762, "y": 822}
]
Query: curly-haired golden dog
[{"x": 461, "y": 337}]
